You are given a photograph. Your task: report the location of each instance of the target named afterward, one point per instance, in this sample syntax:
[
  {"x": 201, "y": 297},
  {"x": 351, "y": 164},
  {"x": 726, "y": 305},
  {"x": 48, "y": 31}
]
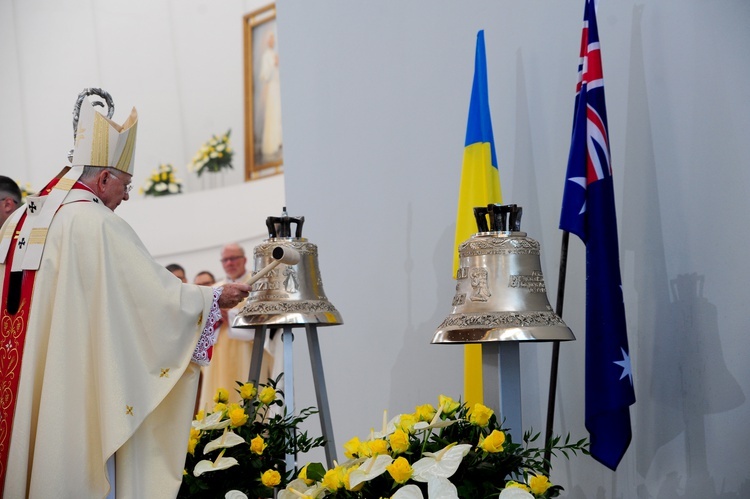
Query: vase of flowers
[
  {"x": 214, "y": 156},
  {"x": 451, "y": 451},
  {"x": 162, "y": 182},
  {"x": 239, "y": 450}
]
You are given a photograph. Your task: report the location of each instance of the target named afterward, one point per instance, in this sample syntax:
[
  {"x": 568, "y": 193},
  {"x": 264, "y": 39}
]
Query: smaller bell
[
  {"x": 287, "y": 294},
  {"x": 500, "y": 290}
]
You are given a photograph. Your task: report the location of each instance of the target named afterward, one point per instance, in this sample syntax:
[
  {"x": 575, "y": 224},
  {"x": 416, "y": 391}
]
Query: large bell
[
  {"x": 288, "y": 294},
  {"x": 500, "y": 290}
]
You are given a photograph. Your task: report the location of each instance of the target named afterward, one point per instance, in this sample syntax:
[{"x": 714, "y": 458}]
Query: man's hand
[{"x": 232, "y": 294}]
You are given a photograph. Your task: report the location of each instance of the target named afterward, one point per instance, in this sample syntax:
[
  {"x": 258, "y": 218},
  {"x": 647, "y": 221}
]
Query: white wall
[{"x": 375, "y": 98}]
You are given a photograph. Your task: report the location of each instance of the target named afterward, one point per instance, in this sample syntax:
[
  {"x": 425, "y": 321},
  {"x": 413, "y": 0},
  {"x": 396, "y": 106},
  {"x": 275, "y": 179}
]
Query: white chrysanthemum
[{"x": 174, "y": 188}]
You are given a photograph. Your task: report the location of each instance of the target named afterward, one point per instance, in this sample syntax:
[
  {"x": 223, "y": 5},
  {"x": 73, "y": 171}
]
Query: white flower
[
  {"x": 174, "y": 188},
  {"x": 160, "y": 187},
  {"x": 211, "y": 422},
  {"x": 515, "y": 493},
  {"x": 372, "y": 467},
  {"x": 235, "y": 494},
  {"x": 221, "y": 463},
  {"x": 226, "y": 440},
  {"x": 410, "y": 491},
  {"x": 441, "y": 464},
  {"x": 441, "y": 488}
]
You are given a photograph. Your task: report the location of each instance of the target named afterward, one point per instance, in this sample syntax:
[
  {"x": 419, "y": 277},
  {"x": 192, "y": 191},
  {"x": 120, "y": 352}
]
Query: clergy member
[
  {"x": 100, "y": 345},
  {"x": 234, "y": 346}
]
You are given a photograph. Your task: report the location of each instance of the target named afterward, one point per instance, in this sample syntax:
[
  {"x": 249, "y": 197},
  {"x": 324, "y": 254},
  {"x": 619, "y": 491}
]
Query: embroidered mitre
[{"x": 102, "y": 142}]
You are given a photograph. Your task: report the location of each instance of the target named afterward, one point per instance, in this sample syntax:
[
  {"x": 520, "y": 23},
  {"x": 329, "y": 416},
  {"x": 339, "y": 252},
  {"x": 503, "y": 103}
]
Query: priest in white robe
[{"x": 100, "y": 345}]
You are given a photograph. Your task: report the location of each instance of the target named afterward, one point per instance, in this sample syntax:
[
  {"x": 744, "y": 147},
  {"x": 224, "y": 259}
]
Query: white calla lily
[
  {"x": 372, "y": 467},
  {"x": 226, "y": 440},
  {"x": 441, "y": 464},
  {"x": 441, "y": 488},
  {"x": 220, "y": 463},
  {"x": 515, "y": 493},
  {"x": 211, "y": 422},
  {"x": 235, "y": 494},
  {"x": 410, "y": 491}
]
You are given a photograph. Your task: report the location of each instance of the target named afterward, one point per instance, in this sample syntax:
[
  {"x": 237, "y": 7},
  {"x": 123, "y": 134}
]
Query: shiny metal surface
[
  {"x": 500, "y": 293},
  {"x": 288, "y": 294}
]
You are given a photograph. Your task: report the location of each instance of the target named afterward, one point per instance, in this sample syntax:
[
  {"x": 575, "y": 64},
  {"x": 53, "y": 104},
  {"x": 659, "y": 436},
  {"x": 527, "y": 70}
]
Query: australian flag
[{"x": 588, "y": 210}]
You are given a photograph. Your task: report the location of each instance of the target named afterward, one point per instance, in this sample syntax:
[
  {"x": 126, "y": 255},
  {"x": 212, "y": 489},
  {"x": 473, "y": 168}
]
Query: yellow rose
[
  {"x": 449, "y": 405},
  {"x": 539, "y": 484},
  {"x": 510, "y": 484},
  {"x": 237, "y": 417},
  {"x": 351, "y": 448},
  {"x": 399, "y": 441},
  {"x": 480, "y": 415},
  {"x": 191, "y": 446},
  {"x": 248, "y": 391},
  {"x": 267, "y": 395},
  {"x": 303, "y": 476},
  {"x": 400, "y": 470},
  {"x": 378, "y": 447},
  {"x": 220, "y": 407},
  {"x": 222, "y": 396},
  {"x": 333, "y": 479},
  {"x": 424, "y": 412},
  {"x": 270, "y": 478},
  {"x": 406, "y": 422},
  {"x": 258, "y": 445},
  {"x": 493, "y": 442},
  {"x": 200, "y": 415}
]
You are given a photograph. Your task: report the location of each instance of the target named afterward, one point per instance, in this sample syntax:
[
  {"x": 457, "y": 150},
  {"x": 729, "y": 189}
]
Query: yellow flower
[
  {"x": 493, "y": 442},
  {"x": 303, "y": 476},
  {"x": 351, "y": 448},
  {"x": 449, "y": 405},
  {"x": 267, "y": 395},
  {"x": 220, "y": 407},
  {"x": 399, "y": 441},
  {"x": 192, "y": 442},
  {"x": 424, "y": 412},
  {"x": 237, "y": 416},
  {"x": 200, "y": 415},
  {"x": 347, "y": 484},
  {"x": 406, "y": 422},
  {"x": 222, "y": 396},
  {"x": 480, "y": 415},
  {"x": 248, "y": 391},
  {"x": 378, "y": 446},
  {"x": 400, "y": 470},
  {"x": 270, "y": 478},
  {"x": 258, "y": 445},
  {"x": 333, "y": 479},
  {"x": 539, "y": 484},
  {"x": 510, "y": 484}
]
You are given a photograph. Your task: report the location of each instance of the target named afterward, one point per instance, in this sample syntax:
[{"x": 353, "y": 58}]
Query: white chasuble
[{"x": 106, "y": 366}]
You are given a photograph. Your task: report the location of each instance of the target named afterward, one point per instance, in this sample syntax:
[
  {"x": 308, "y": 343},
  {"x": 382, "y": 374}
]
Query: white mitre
[{"x": 102, "y": 142}]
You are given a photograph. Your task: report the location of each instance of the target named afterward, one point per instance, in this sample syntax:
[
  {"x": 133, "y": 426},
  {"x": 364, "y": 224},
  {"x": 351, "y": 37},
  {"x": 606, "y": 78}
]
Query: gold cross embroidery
[
  {"x": 129, "y": 410},
  {"x": 164, "y": 373}
]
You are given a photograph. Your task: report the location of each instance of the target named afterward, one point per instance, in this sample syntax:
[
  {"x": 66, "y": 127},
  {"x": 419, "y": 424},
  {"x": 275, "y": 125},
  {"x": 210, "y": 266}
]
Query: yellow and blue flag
[{"x": 480, "y": 186}]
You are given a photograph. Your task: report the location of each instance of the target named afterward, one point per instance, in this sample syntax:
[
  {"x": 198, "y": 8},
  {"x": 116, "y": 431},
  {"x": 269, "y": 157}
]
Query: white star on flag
[
  {"x": 582, "y": 182},
  {"x": 625, "y": 364}
]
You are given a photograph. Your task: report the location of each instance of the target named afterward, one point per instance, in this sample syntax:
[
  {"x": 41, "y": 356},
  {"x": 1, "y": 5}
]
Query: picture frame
[{"x": 263, "y": 138}]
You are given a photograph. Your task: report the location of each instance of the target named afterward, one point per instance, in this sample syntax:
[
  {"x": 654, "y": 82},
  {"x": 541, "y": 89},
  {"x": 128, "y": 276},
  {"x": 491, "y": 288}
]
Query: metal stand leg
[
  {"x": 287, "y": 338},
  {"x": 257, "y": 357},
  {"x": 320, "y": 391},
  {"x": 501, "y": 374}
]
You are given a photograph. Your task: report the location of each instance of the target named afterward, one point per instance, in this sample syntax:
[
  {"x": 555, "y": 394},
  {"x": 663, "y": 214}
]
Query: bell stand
[
  {"x": 501, "y": 376},
  {"x": 319, "y": 381}
]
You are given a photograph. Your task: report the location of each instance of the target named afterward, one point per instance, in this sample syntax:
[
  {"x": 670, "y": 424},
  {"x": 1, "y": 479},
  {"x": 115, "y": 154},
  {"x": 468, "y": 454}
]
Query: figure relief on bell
[
  {"x": 480, "y": 287},
  {"x": 291, "y": 284}
]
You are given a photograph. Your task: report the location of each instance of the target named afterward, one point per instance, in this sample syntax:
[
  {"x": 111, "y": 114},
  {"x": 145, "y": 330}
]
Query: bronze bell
[
  {"x": 287, "y": 294},
  {"x": 500, "y": 290}
]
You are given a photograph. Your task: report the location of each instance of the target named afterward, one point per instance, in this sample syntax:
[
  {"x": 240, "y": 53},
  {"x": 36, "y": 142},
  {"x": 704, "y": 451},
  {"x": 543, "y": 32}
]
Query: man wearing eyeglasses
[
  {"x": 105, "y": 342},
  {"x": 234, "y": 346},
  {"x": 10, "y": 198}
]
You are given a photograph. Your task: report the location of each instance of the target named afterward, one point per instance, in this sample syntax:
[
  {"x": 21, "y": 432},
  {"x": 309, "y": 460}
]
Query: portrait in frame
[{"x": 263, "y": 138}]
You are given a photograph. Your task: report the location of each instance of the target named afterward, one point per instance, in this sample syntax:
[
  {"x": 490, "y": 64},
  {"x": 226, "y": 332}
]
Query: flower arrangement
[
  {"x": 25, "y": 190},
  {"x": 449, "y": 452},
  {"x": 239, "y": 450},
  {"x": 162, "y": 182},
  {"x": 213, "y": 156}
]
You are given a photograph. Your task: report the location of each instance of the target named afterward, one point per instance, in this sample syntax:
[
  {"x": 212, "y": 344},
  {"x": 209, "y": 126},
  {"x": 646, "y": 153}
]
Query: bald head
[{"x": 233, "y": 260}]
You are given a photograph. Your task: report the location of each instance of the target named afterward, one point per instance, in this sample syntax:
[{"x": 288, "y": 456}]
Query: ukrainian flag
[{"x": 480, "y": 186}]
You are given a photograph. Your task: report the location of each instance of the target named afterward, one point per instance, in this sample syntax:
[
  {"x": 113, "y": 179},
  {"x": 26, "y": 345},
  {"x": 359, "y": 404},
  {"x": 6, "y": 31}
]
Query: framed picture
[{"x": 264, "y": 153}]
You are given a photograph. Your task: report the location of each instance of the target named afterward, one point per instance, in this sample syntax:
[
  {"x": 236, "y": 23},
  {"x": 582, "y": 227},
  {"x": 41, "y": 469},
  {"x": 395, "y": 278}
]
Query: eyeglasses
[
  {"x": 127, "y": 185},
  {"x": 230, "y": 259},
  {"x": 11, "y": 198}
]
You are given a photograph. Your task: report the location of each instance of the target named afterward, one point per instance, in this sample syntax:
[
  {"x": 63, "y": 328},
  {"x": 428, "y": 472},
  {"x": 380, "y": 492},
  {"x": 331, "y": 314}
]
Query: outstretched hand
[{"x": 232, "y": 294}]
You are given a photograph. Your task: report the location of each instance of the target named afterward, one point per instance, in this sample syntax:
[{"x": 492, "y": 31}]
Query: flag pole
[{"x": 555, "y": 352}]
